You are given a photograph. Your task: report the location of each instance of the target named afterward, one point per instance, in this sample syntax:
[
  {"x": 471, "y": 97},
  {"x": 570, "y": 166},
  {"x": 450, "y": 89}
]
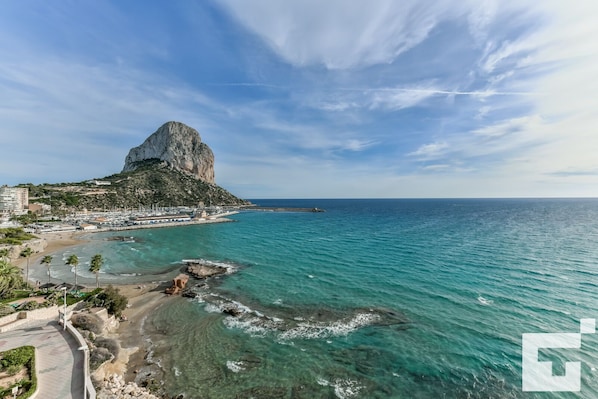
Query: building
[{"x": 13, "y": 199}]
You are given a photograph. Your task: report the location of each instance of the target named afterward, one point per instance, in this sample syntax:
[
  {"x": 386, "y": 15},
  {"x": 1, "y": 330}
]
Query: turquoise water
[{"x": 373, "y": 298}]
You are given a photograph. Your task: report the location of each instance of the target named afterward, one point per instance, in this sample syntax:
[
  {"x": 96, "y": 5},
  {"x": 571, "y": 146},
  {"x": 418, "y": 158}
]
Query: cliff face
[{"x": 180, "y": 147}]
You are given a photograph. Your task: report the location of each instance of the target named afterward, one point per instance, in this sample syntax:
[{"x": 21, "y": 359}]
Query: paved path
[{"x": 59, "y": 363}]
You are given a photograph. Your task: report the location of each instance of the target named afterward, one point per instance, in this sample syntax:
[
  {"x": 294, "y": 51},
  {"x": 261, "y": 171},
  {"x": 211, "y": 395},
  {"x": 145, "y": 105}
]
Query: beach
[{"x": 142, "y": 300}]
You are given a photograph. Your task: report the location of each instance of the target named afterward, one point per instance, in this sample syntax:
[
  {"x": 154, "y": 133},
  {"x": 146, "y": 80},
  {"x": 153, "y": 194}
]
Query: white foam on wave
[
  {"x": 211, "y": 308},
  {"x": 177, "y": 372},
  {"x": 134, "y": 249},
  {"x": 250, "y": 326},
  {"x": 235, "y": 367},
  {"x": 278, "y": 302},
  {"x": 485, "y": 301},
  {"x": 129, "y": 274},
  {"x": 343, "y": 388},
  {"x": 324, "y": 330}
]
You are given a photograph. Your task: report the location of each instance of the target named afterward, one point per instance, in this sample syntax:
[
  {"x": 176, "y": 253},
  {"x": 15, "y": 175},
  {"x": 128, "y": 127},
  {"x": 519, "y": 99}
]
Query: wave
[
  {"x": 343, "y": 388},
  {"x": 258, "y": 324},
  {"x": 235, "y": 367},
  {"x": 339, "y": 328},
  {"x": 485, "y": 301}
]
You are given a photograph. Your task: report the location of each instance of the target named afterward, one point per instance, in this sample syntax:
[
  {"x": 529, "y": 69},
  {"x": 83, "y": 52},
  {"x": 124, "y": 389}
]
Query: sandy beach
[
  {"x": 143, "y": 298},
  {"x": 51, "y": 242}
]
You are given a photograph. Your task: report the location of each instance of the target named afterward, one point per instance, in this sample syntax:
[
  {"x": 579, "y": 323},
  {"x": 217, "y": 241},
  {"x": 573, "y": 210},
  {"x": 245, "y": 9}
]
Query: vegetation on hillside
[
  {"x": 14, "y": 236},
  {"x": 153, "y": 184}
]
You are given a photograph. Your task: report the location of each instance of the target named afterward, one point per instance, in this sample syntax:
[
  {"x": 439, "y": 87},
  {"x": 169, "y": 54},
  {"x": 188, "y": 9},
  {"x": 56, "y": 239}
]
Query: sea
[{"x": 373, "y": 298}]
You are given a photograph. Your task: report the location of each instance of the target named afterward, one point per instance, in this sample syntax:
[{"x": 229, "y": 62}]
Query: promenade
[{"x": 59, "y": 362}]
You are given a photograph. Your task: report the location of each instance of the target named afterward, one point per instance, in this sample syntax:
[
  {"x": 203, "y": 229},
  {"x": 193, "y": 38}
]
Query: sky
[{"x": 310, "y": 99}]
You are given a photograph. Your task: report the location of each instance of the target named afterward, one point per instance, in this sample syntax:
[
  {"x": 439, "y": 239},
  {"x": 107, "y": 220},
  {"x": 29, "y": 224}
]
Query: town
[{"x": 16, "y": 210}]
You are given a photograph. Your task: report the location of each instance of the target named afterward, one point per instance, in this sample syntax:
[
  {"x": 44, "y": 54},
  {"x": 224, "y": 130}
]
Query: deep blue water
[{"x": 373, "y": 298}]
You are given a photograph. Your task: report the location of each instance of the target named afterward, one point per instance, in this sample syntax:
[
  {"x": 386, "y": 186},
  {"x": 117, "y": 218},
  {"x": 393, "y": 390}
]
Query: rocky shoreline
[{"x": 115, "y": 387}]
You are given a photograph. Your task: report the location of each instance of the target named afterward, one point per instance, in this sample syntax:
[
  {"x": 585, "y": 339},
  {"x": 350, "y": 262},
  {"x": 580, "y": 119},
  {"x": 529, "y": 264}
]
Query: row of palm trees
[
  {"x": 97, "y": 261},
  {"x": 7, "y": 274}
]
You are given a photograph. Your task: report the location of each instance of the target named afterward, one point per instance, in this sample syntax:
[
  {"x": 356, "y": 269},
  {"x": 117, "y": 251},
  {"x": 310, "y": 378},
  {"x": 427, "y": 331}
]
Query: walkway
[{"x": 59, "y": 363}]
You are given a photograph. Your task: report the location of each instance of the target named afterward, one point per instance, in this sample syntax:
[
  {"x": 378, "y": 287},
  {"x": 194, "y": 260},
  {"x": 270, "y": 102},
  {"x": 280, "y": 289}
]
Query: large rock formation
[{"x": 180, "y": 147}]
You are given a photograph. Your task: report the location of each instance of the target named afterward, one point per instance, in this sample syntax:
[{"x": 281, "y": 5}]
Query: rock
[
  {"x": 114, "y": 387},
  {"x": 179, "y": 146},
  {"x": 201, "y": 271},
  {"x": 178, "y": 284},
  {"x": 232, "y": 310}
]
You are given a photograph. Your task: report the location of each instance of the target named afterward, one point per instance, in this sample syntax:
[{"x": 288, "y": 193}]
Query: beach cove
[{"x": 371, "y": 299}]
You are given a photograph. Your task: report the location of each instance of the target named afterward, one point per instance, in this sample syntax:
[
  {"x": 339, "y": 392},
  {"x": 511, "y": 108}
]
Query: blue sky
[{"x": 304, "y": 98}]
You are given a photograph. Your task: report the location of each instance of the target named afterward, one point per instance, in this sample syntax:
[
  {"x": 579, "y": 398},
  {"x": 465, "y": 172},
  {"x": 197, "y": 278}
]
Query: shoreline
[
  {"x": 143, "y": 299},
  {"x": 53, "y": 242}
]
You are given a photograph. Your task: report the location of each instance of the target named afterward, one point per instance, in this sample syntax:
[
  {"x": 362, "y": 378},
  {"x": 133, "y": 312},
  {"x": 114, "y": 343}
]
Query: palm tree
[
  {"x": 73, "y": 260},
  {"x": 46, "y": 260},
  {"x": 4, "y": 253},
  {"x": 10, "y": 278},
  {"x": 26, "y": 253},
  {"x": 96, "y": 264}
]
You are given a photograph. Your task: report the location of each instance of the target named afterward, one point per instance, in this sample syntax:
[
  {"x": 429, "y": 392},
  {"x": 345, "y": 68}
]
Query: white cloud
[
  {"x": 510, "y": 126},
  {"x": 396, "y": 99},
  {"x": 341, "y": 34},
  {"x": 430, "y": 151}
]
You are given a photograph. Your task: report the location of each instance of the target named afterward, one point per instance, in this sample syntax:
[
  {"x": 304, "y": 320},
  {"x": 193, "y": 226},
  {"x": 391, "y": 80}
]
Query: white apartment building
[{"x": 13, "y": 199}]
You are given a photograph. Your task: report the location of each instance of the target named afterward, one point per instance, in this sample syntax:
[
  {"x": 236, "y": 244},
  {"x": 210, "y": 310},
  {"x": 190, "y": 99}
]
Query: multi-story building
[{"x": 13, "y": 199}]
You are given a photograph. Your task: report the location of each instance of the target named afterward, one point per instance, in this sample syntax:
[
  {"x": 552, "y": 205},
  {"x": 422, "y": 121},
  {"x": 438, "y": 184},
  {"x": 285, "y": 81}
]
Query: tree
[
  {"x": 47, "y": 260},
  {"x": 10, "y": 279},
  {"x": 26, "y": 253},
  {"x": 96, "y": 264},
  {"x": 114, "y": 302},
  {"x": 73, "y": 260}
]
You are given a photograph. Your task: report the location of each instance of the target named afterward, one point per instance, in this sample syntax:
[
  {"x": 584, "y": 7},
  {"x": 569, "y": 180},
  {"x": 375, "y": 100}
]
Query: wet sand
[
  {"x": 143, "y": 300},
  {"x": 52, "y": 242}
]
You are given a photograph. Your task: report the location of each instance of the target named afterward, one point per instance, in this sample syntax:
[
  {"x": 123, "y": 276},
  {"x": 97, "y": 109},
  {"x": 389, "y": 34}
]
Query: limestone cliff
[{"x": 180, "y": 147}]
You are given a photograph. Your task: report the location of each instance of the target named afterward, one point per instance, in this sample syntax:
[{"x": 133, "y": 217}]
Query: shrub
[
  {"x": 110, "y": 344},
  {"x": 113, "y": 301},
  {"x": 31, "y": 305},
  {"x": 6, "y": 310},
  {"x": 28, "y": 387},
  {"x": 87, "y": 321},
  {"x": 17, "y": 357},
  {"x": 99, "y": 356}
]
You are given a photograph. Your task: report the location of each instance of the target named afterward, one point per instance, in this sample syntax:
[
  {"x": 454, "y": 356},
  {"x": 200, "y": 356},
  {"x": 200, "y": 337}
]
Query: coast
[{"x": 143, "y": 299}]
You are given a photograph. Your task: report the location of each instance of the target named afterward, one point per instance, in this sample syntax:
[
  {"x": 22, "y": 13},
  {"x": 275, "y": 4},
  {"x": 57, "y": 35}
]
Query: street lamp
[{"x": 64, "y": 312}]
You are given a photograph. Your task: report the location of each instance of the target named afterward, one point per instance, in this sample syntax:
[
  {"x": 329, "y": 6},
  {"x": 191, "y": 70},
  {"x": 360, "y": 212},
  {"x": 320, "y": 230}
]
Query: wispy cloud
[
  {"x": 430, "y": 151},
  {"x": 340, "y": 34}
]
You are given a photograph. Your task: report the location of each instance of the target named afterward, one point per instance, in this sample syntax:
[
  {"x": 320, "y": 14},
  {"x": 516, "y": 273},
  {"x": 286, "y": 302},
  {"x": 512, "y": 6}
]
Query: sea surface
[{"x": 370, "y": 299}]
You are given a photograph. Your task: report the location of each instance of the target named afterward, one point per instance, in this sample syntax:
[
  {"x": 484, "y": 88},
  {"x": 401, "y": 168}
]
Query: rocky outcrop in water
[
  {"x": 202, "y": 271},
  {"x": 180, "y": 147}
]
